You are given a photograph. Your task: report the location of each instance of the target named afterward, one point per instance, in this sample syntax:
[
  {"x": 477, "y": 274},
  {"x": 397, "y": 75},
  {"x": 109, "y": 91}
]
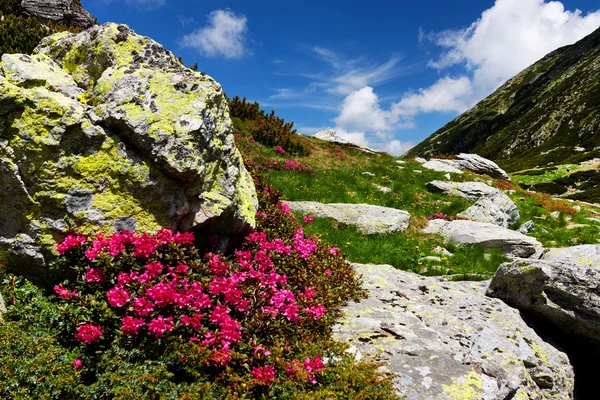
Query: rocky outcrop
[
  {"x": 447, "y": 340},
  {"x": 66, "y": 12},
  {"x": 481, "y": 165},
  {"x": 106, "y": 130},
  {"x": 492, "y": 205},
  {"x": 498, "y": 210},
  {"x": 367, "y": 218},
  {"x": 512, "y": 243},
  {"x": 563, "y": 294},
  {"x": 330, "y": 135},
  {"x": 586, "y": 255},
  {"x": 466, "y": 190},
  {"x": 443, "y": 166}
]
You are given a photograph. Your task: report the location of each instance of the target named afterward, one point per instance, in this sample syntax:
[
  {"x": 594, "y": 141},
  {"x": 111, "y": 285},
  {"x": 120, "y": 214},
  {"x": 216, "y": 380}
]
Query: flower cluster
[
  {"x": 280, "y": 150},
  {"x": 445, "y": 217},
  {"x": 205, "y": 301},
  {"x": 271, "y": 164}
]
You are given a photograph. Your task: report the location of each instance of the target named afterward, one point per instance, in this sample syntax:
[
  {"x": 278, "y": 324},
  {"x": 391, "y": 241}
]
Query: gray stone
[
  {"x": 443, "y": 166},
  {"x": 420, "y": 160},
  {"x": 565, "y": 295},
  {"x": 368, "y": 173},
  {"x": 66, "y": 12},
  {"x": 447, "y": 176},
  {"x": 555, "y": 214},
  {"x": 498, "y": 209},
  {"x": 527, "y": 227},
  {"x": 383, "y": 189},
  {"x": 585, "y": 255},
  {"x": 447, "y": 340},
  {"x": 369, "y": 219},
  {"x": 481, "y": 165},
  {"x": 490, "y": 236},
  {"x": 110, "y": 131},
  {"x": 330, "y": 135},
  {"x": 467, "y": 190}
]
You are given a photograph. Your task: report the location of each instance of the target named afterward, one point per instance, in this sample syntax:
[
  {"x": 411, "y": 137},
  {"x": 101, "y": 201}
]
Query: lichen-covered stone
[
  {"x": 498, "y": 210},
  {"x": 488, "y": 235},
  {"x": 367, "y": 218},
  {"x": 67, "y": 12},
  {"x": 558, "y": 292},
  {"x": 447, "y": 340},
  {"x": 106, "y": 130}
]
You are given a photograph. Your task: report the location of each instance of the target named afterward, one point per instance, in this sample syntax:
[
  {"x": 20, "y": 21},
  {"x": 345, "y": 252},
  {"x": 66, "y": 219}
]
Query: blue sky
[{"x": 383, "y": 73}]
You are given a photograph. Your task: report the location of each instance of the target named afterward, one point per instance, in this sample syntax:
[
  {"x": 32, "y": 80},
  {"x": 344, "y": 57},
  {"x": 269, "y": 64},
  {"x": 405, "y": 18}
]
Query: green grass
[
  {"x": 407, "y": 250},
  {"x": 543, "y": 175}
]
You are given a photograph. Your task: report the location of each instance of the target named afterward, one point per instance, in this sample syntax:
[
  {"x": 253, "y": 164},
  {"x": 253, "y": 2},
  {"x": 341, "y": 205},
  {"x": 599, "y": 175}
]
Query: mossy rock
[{"x": 105, "y": 130}]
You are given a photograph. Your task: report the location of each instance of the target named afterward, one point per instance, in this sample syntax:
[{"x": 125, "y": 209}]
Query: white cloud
[
  {"x": 225, "y": 35},
  {"x": 361, "y": 112},
  {"x": 507, "y": 38},
  {"x": 396, "y": 147}
]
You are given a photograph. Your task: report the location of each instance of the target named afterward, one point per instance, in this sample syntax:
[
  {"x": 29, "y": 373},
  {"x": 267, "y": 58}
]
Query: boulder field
[{"x": 105, "y": 130}]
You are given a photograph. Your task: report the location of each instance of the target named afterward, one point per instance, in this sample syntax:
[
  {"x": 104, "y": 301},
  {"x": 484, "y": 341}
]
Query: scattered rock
[
  {"x": 128, "y": 137},
  {"x": 555, "y": 214},
  {"x": 368, "y": 173},
  {"x": 417, "y": 171},
  {"x": 498, "y": 209},
  {"x": 383, "y": 189},
  {"x": 330, "y": 135},
  {"x": 490, "y": 236},
  {"x": 527, "y": 227},
  {"x": 442, "y": 251},
  {"x": 66, "y": 12},
  {"x": 447, "y": 176},
  {"x": 401, "y": 161},
  {"x": 481, "y": 165},
  {"x": 563, "y": 294},
  {"x": 443, "y": 166},
  {"x": 467, "y": 190},
  {"x": 447, "y": 340},
  {"x": 420, "y": 160},
  {"x": 369, "y": 219},
  {"x": 585, "y": 255}
]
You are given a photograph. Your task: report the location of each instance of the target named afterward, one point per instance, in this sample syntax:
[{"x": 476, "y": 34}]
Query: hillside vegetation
[{"x": 549, "y": 114}]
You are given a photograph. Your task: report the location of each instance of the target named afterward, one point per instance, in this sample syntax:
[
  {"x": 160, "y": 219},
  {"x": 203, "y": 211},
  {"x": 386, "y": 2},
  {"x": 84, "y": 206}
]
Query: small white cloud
[
  {"x": 224, "y": 35},
  {"x": 147, "y": 3},
  {"x": 396, "y": 147},
  {"x": 361, "y": 112}
]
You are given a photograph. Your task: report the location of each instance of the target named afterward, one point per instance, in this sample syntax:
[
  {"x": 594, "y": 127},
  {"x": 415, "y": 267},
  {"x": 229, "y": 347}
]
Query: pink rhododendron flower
[
  {"x": 309, "y": 293},
  {"x": 264, "y": 374},
  {"x": 182, "y": 269},
  {"x": 304, "y": 247},
  {"x": 334, "y": 251},
  {"x": 316, "y": 312},
  {"x": 123, "y": 278},
  {"x": 131, "y": 325},
  {"x": 220, "y": 357},
  {"x": 88, "y": 333},
  {"x": 328, "y": 272},
  {"x": 280, "y": 150},
  {"x": 118, "y": 297},
  {"x": 162, "y": 294},
  {"x": 313, "y": 366},
  {"x": 77, "y": 363},
  {"x": 256, "y": 237},
  {"x": 64, "y": 292},
  {"x": 69, "y": 243},
  {"x": 160, "y": 325},
  {"x": 142, "y": 306},
  {"x": 184, "y": 238},
  {"x": 284, "y": 208},
  {"x": 144, "y": 245},
  {"x": 154, "y": 269},
  {"x": 308, "y": 218},
  {"x": 195, "y": 321},
  {"x": 276, "y": 245},
  {"x": 94, "y": 275}
]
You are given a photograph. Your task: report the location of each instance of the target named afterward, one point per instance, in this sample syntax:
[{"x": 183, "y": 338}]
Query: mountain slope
[{"x": 548, "y": 113}]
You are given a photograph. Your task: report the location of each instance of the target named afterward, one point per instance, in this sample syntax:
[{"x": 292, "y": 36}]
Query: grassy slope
[
  {"x": 337, "y": 175},
  {"x": 536, "y": 119}
]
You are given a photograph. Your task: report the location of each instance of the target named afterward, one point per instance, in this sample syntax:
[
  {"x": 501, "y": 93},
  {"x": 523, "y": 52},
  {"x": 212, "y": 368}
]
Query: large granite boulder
[
  {"x": 512, "y": 243},
  {"x": 67, "y": 12},
  {"x": 330, "y": 135},
  {"x": 492, "y": 205},
  {"x": 447, "y": 340},
  {"x": 481, "y": 165},
  {"x": 563, "y": 294},
  {"x": 106, "y": 130},
  {"x": 368, "y": 219},
  {"x": 443, "y": 166}
]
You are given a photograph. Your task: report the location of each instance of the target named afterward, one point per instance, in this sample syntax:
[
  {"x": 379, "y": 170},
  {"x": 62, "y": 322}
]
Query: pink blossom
[
  {"x": 276, "y": 245},
  {"x": 309, "y": 293},
  {"x": 94, "y": 275},
  {"x": 195, "y": 321},
  {"x": 69, "y": 243},
  {"x": 280, "y": 150},
  {"x": 256, "y": 237},
  {"x": 142, "y": 306},
  {"x": 144, "y": 245},
  {"x": 263, "y": 260},
  {"x": 260, "y": 349},
  {"x": 118, "y": 297},
  {"x": 160, "y": 325},
  {"x": 123, "y": 278},
  {"x": 304, "y": 247},
  {"x": 284, "y": 208},
  {"x": 221, "y": 357},
  {"x": 264, "y": 374},
  {"x": 181, "y": 269},
  {"x": 316, "y": 312},
  {"x": 64, "y": 292},
  {"x": 131, "y": 325},
  {"x": 291, "y": 312},
  {"x": 164, "y": 236},
  {"x": 184, "y": 238},
  {"x": 88, "y": 333},
  {"x": 77, "y": 363},
  {"x": 154, "y": 269},
  {"x": 334, "y": 251},
  {"x": 162, "y": 294},
  {"x": 316, "y": 365},
  {"x": 308, "y": 218},
  {"x": 217, "y": 267},
  {"x": 328, "y": 272}
]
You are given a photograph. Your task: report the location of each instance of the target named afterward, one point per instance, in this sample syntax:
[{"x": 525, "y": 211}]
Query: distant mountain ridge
[{"x": 548, "y": 113}]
